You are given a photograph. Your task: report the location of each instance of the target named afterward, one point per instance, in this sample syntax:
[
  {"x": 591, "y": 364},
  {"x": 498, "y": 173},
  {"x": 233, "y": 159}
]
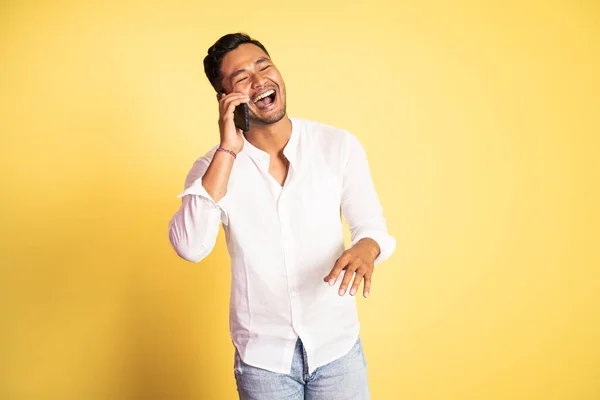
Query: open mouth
[{"x": 265, "y": 99}]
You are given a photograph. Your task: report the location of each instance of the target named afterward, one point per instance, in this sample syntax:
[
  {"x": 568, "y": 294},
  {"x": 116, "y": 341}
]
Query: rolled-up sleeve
[
  {"x": 194, "y": 228},
  {"x": 360, "y": 204}
]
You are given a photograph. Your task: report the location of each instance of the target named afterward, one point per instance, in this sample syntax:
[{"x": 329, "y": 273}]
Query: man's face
[{"x": 249, "y": 70}]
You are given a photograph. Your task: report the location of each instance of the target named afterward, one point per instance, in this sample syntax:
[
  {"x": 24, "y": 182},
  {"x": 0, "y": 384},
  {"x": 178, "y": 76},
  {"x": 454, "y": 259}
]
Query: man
[{"x": 279, "y": 191}]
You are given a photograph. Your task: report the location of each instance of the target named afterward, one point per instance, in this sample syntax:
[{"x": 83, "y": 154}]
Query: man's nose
[{"x": 258, "y": 80}]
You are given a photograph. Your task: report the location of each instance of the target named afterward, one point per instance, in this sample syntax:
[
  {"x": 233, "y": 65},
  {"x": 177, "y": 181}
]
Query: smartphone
[{"x": 240, "y": 117}]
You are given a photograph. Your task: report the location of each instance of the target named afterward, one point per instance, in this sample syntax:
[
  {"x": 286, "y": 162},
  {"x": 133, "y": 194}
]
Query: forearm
[
  {"x": 217, "y": 175},
  {"x": 361, "y": 206}
]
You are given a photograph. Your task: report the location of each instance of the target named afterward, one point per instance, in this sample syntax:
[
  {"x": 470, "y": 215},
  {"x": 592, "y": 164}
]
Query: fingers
[
  {"x": 358, "y": 276},
  {"x": 227, "y": 103},
  {"x": 355, "y": 267},
  {"x": 367, "y": 285},
  {"x": 350, "y": 270},
  {"x": 340, "y": 264}
]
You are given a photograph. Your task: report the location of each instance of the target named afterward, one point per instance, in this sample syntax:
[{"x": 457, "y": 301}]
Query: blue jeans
[{"x": 342, "y": 379}]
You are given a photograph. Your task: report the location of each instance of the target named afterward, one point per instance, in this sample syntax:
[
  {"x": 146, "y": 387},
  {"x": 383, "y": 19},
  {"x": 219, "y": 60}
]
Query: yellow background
[{"x": 480, "y": 120}]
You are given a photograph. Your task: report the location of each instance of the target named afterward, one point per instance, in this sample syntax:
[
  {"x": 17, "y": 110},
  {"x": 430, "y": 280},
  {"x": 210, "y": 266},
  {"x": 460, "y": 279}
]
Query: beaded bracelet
[{"x": 227, "y": 151}]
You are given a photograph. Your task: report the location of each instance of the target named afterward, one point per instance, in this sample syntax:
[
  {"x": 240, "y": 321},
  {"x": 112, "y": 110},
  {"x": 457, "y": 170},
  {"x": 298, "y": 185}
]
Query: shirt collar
[{"x": 290, "y": 150}]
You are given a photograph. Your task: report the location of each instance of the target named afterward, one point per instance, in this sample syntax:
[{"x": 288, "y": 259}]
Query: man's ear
[{"x": 220, "y": 94}]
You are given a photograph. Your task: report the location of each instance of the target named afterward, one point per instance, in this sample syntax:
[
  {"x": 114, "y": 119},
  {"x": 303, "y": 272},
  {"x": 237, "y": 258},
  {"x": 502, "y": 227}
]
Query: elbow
[
  {"x": 190, "y": 254},
  {"x": 193, "y": 236},
  {"x": 190, "y": 250}
]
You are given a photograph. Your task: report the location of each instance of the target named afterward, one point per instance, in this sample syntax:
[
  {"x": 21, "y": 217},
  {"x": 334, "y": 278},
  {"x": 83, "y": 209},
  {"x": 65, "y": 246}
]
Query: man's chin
[{"x": 268, "y": 120}]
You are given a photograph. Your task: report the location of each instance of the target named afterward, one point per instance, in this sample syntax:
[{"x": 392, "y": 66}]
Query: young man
[{"x": 279, "y": 191}]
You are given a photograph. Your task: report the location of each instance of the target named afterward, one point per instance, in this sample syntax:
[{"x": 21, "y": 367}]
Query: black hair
[{"x": 212, "y": 62}]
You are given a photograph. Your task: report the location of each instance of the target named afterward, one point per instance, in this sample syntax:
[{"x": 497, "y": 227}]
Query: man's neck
[{"x": 271, "y": 138}]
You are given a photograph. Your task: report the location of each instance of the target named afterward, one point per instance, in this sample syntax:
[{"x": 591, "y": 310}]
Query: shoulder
[
  {"x": 332, "y": 146},
  {"x": 322, "y": 134}
]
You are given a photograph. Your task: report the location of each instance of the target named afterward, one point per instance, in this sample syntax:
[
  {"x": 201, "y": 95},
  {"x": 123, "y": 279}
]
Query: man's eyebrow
[
  {"x": 236, "y": 73},
  {"x": 241, "y": 71}
]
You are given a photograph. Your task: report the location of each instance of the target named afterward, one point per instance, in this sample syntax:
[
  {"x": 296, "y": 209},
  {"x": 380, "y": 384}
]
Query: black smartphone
[{"x": 240, "y": 117}]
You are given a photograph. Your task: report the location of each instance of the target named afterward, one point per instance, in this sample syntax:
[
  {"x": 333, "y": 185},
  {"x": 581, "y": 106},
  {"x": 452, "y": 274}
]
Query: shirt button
[{"x": 294, "y": 294}]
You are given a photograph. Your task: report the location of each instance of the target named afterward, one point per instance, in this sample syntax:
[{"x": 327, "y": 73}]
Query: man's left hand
[{"x": 359, "y": 261}]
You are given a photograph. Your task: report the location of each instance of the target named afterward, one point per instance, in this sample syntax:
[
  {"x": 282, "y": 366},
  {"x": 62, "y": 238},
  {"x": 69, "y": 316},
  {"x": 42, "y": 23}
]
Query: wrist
[
  {"x": 228, "y": 151},
  {"x": 231, "y": 147},
  {"x": 372, "y": 246}
]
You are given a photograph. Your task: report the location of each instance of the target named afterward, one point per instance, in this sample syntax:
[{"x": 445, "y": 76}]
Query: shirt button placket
[{"x": 288, "y": 258}]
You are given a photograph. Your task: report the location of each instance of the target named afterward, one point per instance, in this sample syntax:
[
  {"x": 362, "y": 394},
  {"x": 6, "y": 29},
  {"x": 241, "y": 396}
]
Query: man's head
[{"x": 238, "y": 63}]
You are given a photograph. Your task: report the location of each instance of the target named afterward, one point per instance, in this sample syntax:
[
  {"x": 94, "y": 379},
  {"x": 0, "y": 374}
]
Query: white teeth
[{"x": 265, "y": 94}]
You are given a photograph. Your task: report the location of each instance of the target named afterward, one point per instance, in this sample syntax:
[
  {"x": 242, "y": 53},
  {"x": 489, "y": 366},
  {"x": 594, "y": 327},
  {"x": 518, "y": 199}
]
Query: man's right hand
[{"x": 231, "y": 137}]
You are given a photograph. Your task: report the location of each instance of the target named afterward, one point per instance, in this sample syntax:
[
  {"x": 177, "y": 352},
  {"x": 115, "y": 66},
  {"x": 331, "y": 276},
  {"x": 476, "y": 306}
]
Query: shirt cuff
[
  {"x": 198, "y": 189},
  {"x": 387, "y": 244}
]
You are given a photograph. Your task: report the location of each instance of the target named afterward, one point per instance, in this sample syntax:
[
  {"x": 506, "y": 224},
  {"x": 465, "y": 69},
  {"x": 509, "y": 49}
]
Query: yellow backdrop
[{"x": 480, "y": 120}]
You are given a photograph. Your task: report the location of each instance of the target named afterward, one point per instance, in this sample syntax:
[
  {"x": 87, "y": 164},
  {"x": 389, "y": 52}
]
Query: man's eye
[
  {"x": 265, "y": 67},
  {"x": 243, "y": 79}
]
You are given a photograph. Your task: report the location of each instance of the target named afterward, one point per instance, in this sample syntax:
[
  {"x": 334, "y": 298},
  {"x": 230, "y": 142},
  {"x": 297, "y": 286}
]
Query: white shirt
[{"x": 284, "y": 240}]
